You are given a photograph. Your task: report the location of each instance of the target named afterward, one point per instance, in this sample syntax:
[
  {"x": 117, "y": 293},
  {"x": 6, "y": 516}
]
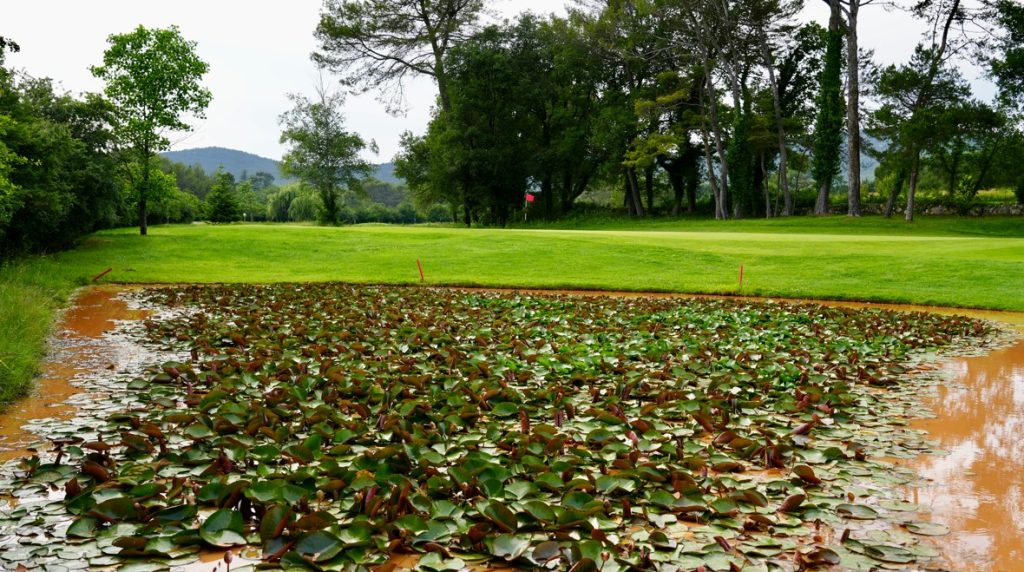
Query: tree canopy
[
  {"x": 321, "y": 151},
  {"x": 153, "y": 78}
]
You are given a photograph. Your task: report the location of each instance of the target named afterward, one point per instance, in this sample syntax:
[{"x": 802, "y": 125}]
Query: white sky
[{"x": 258, "y": 51}]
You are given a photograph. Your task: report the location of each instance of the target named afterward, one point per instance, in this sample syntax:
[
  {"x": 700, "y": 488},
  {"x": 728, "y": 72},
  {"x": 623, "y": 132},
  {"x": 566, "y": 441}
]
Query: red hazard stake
[
  {"x": 741, "y": 276},
  {"x": 420, "y": 266}
]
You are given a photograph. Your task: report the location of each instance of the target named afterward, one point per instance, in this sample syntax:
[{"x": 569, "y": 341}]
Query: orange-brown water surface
[
  {"x": 978, "y": 488},
  {"x": 77, "y": 348}
]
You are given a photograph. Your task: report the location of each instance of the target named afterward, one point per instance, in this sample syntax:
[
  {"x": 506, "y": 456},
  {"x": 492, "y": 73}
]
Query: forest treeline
[
  {"x": 730, "y": 108},
  {"x": 733, "y": 102},
  {"x": 63, "y": 175}
]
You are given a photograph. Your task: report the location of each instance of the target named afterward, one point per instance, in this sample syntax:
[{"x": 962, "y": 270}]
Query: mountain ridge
[{"x": 237, "y": 162}]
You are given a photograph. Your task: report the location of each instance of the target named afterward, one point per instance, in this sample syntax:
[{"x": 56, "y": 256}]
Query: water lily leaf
[
  {"x": 224, "y": 529},
  {"x": 434, "y": 561},
  {"x": 546, "y": 551},
  {"x": 886, "y": 553},
  {"x": 83, "y": 527},
  {"x": 505, "y": 409},
  {"x": 178, "y": 513},
  {"x": 926, "y": 528},
  {"x": 540, "y": 511},
  {"x": 319, "y": 546},
  {"x": 115, "y": 509},
  {"x": 806, "y": 474},
  {"x": 856, "y": 511},
  {"x": 501, "y": 516},
  {"x": 510, "y": 547}
]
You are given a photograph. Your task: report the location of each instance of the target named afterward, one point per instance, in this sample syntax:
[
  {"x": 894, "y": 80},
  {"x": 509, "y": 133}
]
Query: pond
[{"x": 975, "y": 490}]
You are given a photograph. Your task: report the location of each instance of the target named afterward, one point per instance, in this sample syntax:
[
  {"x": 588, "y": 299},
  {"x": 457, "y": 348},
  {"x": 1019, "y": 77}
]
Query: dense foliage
[
  {"x": 57, "y": 175},
  {"x": 337, "y": 426},
  {"x": 644, "y": 102}
]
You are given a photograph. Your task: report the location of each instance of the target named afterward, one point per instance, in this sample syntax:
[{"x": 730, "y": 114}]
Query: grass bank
[
  {"x": 30, "y": 297},
  {"x": 977, "y": 263}
]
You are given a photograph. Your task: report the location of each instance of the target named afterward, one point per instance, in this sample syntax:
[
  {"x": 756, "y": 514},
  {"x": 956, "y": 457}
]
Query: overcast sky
[{"x": 258, "y": 51}]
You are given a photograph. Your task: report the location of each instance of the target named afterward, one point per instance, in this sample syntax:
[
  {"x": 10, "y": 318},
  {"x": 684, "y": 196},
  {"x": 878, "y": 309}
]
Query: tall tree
[
  {"x": 850, "y": 10},
  {"x": 828, "y": 128},
  {"x": 1007, "y": 60},
  {"x": 153, "y": 77},
  {"x": 322, "y": 152},
  {"x": 772, "y": 21},
  {"x": 376, "y": 44}
]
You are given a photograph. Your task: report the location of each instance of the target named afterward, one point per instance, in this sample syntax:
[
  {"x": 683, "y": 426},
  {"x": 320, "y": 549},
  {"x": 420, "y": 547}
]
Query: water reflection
[{"x": 978, "y": 489}]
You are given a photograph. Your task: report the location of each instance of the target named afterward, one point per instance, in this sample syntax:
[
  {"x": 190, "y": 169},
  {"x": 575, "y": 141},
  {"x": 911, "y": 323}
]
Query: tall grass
[{"x": 30, "y": 297}]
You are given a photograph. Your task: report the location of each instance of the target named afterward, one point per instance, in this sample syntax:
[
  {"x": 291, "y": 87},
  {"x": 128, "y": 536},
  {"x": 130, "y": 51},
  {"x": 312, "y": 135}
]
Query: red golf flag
[{"x": 530, "y": 198}]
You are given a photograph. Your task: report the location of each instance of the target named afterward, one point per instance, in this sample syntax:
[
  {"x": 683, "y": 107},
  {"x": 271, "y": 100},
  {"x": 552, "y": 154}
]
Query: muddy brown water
[
  {"x": 977, "y": 489},
  {"x": 77, "y": 348}
]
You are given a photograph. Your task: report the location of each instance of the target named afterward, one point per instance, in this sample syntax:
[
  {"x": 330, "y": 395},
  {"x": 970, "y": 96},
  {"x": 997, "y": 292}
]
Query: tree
[
  {"x": 323, "y": 154},
  {"x": 850, "y": 9},
  {"x": 222, "y": 204},
  {"x": 153, "y": 78},
  {"x": 1007, "y": 60},
  {"x": 377, "y": 43},
  {"x": 828, "y": 129},
  {"x": 7, "y": 45}
]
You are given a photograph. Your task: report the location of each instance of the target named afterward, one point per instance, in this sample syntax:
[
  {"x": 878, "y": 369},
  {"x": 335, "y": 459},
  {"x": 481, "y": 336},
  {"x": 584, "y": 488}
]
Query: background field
[{"x": 977, "y": 263}]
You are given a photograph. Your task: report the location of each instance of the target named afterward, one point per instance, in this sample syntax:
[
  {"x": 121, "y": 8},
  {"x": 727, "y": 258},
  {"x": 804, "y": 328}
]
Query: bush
[{"x": 1019, "y": 191}]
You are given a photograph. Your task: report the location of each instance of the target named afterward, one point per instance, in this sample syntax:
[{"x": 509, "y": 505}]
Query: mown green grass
[
  {"x": 976, "y": 263},
  {"x": 967, "y": 264},
  {"x": 838, "y": 225}
]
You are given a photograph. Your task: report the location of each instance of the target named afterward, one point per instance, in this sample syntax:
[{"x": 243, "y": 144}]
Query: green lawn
[
  {"x": 968, "y": 270},
  {"x": 976, "y": 263}
]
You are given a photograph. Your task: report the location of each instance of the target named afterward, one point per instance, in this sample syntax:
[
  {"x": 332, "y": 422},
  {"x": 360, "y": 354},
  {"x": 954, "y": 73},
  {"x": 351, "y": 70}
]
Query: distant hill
[{"x": 236, "y": 162}]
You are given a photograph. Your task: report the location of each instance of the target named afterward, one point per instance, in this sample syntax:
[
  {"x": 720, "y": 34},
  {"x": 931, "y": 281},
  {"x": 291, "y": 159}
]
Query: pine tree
[{"x": 222, "y": 203}]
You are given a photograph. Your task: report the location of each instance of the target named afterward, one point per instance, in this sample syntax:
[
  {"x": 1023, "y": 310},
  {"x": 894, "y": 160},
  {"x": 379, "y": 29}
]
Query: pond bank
[{"x": 77, "y": 348}]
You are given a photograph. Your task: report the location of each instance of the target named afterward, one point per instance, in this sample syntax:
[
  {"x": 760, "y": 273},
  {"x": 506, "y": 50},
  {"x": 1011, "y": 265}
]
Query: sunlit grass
[{"x": 963, "y": 262}]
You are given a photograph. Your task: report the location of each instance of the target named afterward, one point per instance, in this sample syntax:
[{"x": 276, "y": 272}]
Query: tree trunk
[
  {"x": 723, "y": 162},
  {"x": 649, "y": 187},
  {"x": 890, "y": 203},
  {"x": 915, "y": 169},
  {"x": 633, "y": 193},
  {"x": 709, "y": 163},
  {"x": 764, "y": 188},
  {"x": 144, "y": 194},
  {"x": 787, "y": 210},
  {"x": 692, "y": 183},
  {"x": 821, "y": 205},
  {"x": 853, "y": 109},
  {"x": 674, "y": 169}
]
